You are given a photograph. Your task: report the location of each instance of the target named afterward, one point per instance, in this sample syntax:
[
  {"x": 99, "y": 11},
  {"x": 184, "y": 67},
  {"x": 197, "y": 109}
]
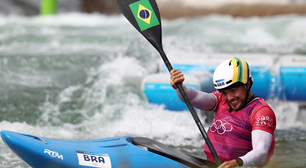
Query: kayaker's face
[{"x": 235, "y": 97}]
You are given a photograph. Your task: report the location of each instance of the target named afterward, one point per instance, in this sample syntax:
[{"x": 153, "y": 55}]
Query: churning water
[{"x": 78, "y": 76}]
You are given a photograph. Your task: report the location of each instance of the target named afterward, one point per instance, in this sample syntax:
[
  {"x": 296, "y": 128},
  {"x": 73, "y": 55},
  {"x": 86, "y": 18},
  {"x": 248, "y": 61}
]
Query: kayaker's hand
[
  {"x": 229, "y": 164},
  {"x": 176, "y": 76}
]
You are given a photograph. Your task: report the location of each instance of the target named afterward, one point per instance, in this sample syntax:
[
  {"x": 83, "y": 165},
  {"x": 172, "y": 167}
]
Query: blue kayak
[{"x": 117, "y": 152}]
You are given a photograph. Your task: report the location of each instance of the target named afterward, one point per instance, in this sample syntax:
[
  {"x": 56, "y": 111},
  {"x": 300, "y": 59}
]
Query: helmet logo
[{"x": 220, "y": 82}]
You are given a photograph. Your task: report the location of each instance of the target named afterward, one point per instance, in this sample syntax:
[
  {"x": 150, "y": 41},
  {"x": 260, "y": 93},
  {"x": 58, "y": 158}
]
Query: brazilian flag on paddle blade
[{"x": 144, "y": 14}]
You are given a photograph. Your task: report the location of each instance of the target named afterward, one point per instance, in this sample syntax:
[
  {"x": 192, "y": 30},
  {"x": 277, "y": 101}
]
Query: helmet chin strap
[{"x": 247, "y": 100}]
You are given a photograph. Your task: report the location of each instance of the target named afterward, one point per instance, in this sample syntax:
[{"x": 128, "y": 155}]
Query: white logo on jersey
[
  {"x": 264, "y": 120},
  {"x": 220, "y": 127}
]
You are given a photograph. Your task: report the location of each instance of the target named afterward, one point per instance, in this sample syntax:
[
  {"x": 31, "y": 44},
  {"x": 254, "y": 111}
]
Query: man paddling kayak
[{"x": 242, "y": 131}]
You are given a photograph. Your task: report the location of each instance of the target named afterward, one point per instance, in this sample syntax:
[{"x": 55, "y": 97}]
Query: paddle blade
[{"x": 144, "y": 16}]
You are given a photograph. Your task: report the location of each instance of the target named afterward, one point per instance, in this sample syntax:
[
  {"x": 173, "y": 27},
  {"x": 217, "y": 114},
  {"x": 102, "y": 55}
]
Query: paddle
[{"x": 144, "y": 16}]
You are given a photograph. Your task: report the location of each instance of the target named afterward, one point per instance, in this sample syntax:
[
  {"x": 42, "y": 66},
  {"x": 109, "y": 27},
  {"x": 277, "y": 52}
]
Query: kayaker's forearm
[
  {"x": 201, "y": 100},
  {"x": 261, "y": 142}
]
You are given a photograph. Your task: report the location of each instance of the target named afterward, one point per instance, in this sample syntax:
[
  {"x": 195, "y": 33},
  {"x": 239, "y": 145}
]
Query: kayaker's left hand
[
  {"x": 175, "y": 77},
  {"x": 229, "y": 164}
]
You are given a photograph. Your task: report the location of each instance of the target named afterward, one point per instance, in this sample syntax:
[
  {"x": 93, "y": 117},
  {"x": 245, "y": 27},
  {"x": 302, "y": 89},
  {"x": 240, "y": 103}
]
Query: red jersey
[{"x": 230, "y": 132}]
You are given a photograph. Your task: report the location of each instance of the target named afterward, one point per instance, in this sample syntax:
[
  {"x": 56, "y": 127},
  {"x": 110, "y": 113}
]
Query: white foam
[
  {"x": 66, "y": 19},
  {"x": 296, "y": 31}
]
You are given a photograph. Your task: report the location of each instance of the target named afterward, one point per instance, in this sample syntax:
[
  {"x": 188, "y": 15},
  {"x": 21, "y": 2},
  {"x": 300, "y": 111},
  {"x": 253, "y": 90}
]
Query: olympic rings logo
[{"x": 220, "y": 127}]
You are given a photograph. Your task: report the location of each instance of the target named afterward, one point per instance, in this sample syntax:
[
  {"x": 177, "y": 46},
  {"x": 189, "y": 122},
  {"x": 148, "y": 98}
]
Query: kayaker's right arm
[{"x": 200, "y": 100}]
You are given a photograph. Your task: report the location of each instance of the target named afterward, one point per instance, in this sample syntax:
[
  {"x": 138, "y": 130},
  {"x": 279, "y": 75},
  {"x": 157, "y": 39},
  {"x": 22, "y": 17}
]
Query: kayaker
[{"x": 242, "y": 131}]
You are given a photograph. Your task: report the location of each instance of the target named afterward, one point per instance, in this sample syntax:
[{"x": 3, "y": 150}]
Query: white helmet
[{"x": 231, "y": 71}]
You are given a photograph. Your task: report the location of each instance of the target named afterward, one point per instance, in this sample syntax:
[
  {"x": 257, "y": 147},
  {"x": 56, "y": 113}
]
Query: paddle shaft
[{"x": 191, "y": 109}]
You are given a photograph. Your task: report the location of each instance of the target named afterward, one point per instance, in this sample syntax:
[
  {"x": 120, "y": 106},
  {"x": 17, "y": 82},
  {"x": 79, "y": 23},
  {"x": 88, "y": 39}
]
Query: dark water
[{"x": 78, "y": 76}]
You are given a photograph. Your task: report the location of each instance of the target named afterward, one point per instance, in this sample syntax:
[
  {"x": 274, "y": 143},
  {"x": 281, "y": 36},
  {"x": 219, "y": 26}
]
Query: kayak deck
[{"x": 116, "y": 152}]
